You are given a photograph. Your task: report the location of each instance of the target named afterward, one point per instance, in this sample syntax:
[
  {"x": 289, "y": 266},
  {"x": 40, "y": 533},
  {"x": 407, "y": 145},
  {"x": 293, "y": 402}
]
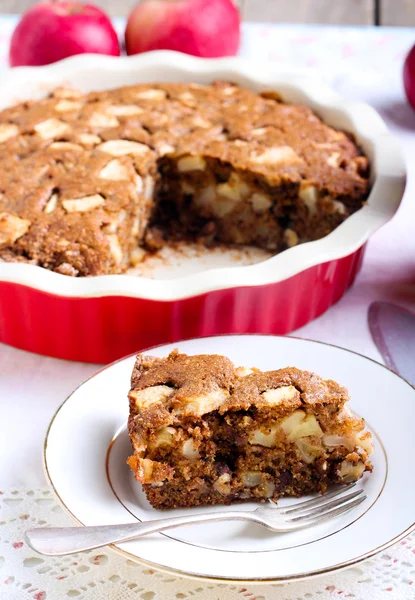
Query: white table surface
[{"x": 361, "y": 63}]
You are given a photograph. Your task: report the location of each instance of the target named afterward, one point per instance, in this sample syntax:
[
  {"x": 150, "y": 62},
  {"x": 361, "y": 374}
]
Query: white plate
[{"x": 87, "y": 470}]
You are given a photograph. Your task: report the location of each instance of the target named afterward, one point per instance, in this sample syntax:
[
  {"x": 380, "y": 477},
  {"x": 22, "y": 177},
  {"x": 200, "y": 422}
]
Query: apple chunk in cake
[{"x": 205, "y": 432}]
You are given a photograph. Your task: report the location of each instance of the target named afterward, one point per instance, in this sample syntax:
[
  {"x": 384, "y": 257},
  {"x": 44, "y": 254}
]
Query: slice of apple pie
[{"x": 205, "y": 432}]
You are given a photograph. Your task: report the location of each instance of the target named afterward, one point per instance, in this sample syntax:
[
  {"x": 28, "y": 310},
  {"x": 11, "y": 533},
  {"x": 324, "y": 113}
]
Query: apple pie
[{"x": 91, "y": 182}]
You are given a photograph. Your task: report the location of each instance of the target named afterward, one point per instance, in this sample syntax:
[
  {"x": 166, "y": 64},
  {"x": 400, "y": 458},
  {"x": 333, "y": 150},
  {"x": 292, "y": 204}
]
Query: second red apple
[{"x": 208, "y": 29}]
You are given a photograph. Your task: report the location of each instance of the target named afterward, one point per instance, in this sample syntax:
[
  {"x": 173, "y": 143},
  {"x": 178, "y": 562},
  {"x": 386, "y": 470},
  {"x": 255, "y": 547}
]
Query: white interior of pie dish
[{"x": 93, "y": 72}]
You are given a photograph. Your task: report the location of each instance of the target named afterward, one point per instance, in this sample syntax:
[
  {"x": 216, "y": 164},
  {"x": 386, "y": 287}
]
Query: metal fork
[{"x": 58, "y": 541}]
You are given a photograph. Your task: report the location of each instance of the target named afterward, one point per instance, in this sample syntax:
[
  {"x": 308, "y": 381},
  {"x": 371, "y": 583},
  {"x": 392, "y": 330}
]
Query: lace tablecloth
[
  {"x": 103, "y": 574},
  {"x": 363, "y": 64}
]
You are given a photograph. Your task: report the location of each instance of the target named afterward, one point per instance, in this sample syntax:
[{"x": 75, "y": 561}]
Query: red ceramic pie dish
[{"x": 100, "y": 319}]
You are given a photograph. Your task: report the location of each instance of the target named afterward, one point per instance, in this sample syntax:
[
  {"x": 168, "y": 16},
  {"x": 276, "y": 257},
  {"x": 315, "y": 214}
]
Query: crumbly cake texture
[
  {"x": 204, "y": 432},
  {"x": 88, "y": 180}
]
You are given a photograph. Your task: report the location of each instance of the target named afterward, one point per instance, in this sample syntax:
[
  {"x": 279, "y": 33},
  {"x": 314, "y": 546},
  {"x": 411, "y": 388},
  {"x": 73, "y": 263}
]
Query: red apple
[
  {"x": 209, "y": 28},
  {"x": 50, "y": 31},
  {"x": 409, "y": 77}
]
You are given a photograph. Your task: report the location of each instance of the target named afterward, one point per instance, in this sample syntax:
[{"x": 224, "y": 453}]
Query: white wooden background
[{"x": 346, "y": 12}]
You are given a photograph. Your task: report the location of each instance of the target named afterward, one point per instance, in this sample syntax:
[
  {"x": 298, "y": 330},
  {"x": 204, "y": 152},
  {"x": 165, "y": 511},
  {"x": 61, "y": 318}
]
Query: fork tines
[{"x": 327, "y": 506}]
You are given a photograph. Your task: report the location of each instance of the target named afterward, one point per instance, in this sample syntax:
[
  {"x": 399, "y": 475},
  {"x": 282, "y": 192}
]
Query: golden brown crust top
[
  {"x": 222, "y": 120},
  {"x": 188, "y": 374},
  {"x": 182, "y": 386},
  {"x": 312, "y": 389}
]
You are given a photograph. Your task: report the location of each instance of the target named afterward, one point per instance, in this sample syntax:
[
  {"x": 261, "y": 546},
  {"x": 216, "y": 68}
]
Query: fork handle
[{"x": 58, "y": 541}]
